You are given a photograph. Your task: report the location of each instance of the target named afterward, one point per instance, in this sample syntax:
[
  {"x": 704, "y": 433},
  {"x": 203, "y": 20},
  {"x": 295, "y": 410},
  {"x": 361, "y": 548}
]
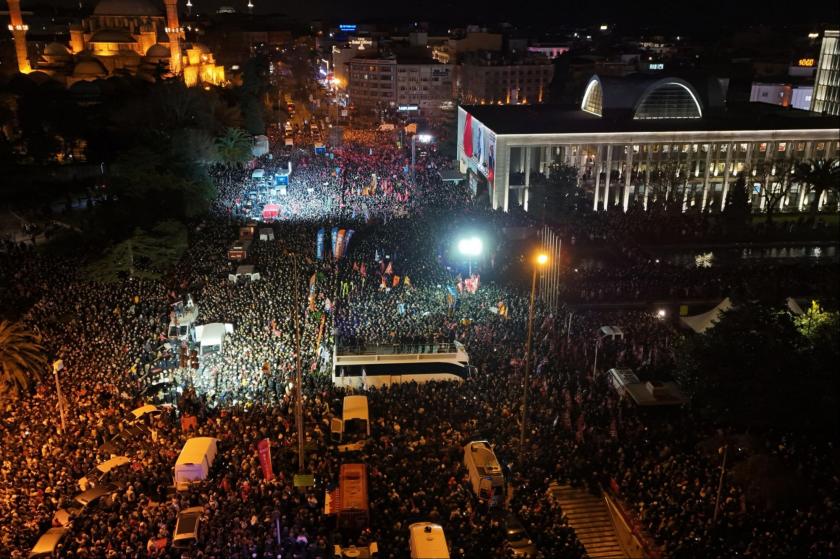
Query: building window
[{"x": 593, "y": 98}]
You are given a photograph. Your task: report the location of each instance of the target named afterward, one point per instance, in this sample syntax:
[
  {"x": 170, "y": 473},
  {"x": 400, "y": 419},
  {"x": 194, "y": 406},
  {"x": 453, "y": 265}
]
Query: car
[
  {"x": 186, "y": 527},
  {"x": 517, "y": 539}
]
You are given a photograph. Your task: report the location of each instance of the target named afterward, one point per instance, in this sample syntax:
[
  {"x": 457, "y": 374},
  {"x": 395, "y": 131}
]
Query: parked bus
[{"x": 353, "y": 429}]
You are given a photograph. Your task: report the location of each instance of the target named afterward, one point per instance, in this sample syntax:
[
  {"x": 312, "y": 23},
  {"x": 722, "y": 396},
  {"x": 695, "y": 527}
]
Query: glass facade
[
  {"x": 826, "y": 96},
  {"x": 670, "y": 100}
]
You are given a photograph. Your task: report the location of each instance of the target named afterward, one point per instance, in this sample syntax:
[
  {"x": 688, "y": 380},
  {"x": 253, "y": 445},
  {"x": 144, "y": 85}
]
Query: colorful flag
[
  {"x": 347, "y": 238},
  {"x": 264, "y": 452},
  {"x": 396, "y": 280},
  {"x": 339, "y": 244},
  {"x": 389, "y": 269},
  {"x": 319, "y": 244},
  {"x": 334, "y": 240}
]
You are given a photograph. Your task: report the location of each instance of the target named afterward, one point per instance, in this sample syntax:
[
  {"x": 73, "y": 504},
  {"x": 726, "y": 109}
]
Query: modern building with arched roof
[{"x": 644, "y": 138}]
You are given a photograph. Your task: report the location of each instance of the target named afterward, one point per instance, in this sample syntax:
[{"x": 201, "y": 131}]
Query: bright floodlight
[
  {"x": 425, "y": 139},
  {"x": 542, "y": 258},
  {"x": 661, "y": 313},
  {"x": 470, "y": 247}
]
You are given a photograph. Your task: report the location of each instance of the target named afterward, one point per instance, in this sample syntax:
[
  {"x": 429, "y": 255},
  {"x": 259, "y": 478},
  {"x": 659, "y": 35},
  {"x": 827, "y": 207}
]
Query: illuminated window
[
  {"x": 782, "y": 146},
  {"x": 762, "y": 147},
  {"x": 669, "y": 100},
  {"x": 593, "y": 98}
]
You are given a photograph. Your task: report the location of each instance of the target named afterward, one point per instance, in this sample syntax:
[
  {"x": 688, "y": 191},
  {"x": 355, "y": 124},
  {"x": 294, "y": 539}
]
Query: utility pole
[
  {"x": 58, "y": 365},
  {"x": 720, "y": 484},
  {"x": 541, "y": 259},
  {"x": 299, "y": 375}
]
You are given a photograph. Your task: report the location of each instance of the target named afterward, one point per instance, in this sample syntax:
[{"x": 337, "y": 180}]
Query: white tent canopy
[
  {"x": 258, "y": 173},
  {"x": 702, "y": 322}
]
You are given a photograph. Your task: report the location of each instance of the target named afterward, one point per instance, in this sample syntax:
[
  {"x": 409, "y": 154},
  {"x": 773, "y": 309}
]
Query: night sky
[{"x": 712, "y": 13}]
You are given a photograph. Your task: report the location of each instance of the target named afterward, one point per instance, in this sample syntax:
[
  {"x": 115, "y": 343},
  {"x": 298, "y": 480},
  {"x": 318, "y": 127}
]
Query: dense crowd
[{"x": 395, "y": 286}]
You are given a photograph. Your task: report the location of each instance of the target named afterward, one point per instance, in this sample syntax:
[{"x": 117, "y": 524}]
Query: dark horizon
[{"x": 711, "y": 16}]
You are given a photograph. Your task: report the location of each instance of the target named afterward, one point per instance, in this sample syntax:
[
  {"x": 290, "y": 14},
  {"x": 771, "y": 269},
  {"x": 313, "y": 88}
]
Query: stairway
[{"x": 590, "y": 519}]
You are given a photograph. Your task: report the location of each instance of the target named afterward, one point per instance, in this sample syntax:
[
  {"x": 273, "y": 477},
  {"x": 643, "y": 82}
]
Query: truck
[
  {"x": 353, "y": 428},
  {"x": 486, "y": 478}
]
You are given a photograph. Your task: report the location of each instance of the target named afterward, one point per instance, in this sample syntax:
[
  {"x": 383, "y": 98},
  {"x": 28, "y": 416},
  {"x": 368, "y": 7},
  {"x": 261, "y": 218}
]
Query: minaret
[
  {"x": 19, "y": 29},
  {"x": 250, "y": 7},
  {"x": 175, "y": 33},
  {"x": 189, "y": 8}
]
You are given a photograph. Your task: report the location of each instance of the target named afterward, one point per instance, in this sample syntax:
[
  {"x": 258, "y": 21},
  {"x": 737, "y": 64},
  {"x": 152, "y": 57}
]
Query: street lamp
[
  {"x": 540, "y": 261},
  {"x": 423, "y": 139},
  {"x": 470, "y": 247}
]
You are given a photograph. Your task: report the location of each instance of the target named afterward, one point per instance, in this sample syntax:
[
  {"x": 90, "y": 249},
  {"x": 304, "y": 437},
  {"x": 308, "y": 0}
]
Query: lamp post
[
  {"x": 470, "y": 247},
  {"x": 298, "y": 370},
  {"x": 58, "y": 366},
  {"x": 424, "y": 139},
  {"x": 541, "y": 260}
]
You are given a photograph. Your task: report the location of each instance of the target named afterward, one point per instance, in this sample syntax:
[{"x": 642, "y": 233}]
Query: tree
[
  {"x": 738, "y": 202},
  {"x": 776, "y": 182},
  {"x": 750, "y": 369},
  {"x": 233, "y": 147},
  {"x": 820, "y": 175},
  {"x": 22, "y": 357},
  {"x": 146, "y": 254},
  {"x": 557, "y": 194}
]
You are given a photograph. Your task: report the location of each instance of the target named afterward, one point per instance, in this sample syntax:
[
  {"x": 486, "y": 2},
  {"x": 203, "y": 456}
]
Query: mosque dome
[
  {"x": 89, "y": 68},
  {"x": 56, "y": 50},
  {"x": 157, "y": 51},
  {"x": 126, "y": 8}
]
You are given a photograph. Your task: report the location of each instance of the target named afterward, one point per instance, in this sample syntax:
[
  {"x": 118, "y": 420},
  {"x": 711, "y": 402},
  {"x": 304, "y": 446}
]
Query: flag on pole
[
  {"x": 334, "y": 240},
  {"x": 319, "y": 244}
]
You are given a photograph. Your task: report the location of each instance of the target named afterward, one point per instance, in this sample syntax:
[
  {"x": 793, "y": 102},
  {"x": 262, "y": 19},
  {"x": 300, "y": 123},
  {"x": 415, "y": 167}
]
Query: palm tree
[
  {"x": 233, "y": 147},
  {"x": 820, "y": 175},
  {"x": 22, "y": 357}
]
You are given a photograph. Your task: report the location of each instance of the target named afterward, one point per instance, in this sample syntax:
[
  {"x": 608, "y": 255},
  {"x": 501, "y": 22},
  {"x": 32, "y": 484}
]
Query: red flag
[
  {"x": 389, "y": 269},
  {"x": 468, "y": 144},
  {"x": 363, "y": 270},
  {"x": 264, "y": 452},
  {"x": 396, "y": 281}
]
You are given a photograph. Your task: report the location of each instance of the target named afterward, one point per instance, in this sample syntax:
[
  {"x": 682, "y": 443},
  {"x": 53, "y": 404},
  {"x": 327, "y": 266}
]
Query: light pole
[
  {"x": 720, "y": 484},
  {"x": 424, "y": 139},
  {"x": 299, "y": 373},
  {"x": 541, "y": 260},
  {"x": 58, "y": 365},
  {"x": 470, "y": 247}
]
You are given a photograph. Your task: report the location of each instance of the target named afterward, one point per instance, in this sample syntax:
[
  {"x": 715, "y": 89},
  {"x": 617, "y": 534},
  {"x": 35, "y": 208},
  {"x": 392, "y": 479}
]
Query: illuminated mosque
[{"x": 135, "y": 37}]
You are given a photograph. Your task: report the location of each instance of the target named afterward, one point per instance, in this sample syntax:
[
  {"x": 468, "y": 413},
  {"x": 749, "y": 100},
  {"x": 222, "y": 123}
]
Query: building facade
[
  {"x": 642, "y": 139},
  {"x": 826, "y": 97},
  {"x": 490, "y": 82},
  {"x": 782, "y": 94},
  {"x": 390, "y": 83}
]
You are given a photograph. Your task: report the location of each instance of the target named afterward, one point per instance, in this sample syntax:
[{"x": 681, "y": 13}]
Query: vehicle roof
[
  {"x": 114, "y": 462},
  {"x": 355, "y": 407},
  {"x": 94, "y": 493},
  {"x": 47, "y": 542},
  {"x": 195, "y": 449},
  {"x": 484, "y": 458},
  {"x": 429, "y": 545},
  {"x": 143, "y": 410}
]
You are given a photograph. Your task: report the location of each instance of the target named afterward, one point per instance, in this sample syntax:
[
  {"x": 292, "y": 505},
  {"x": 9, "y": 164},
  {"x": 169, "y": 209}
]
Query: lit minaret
[
  {"x": 175, "y": 33},
  {"x": 189, "y": 8},
  {"x": 19, "y": 29},
  {"x": 250, "y": 7}
]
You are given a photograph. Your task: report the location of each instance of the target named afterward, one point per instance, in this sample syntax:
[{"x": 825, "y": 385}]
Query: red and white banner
[{"x": 264, "y": 452}]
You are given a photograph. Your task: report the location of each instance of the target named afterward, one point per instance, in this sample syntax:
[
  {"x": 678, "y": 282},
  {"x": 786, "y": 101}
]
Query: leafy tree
[
  {"x": 558, "y": 193},
  {"x": 22, "y": 357},
  {"x": 750, "y": 369},
  {"x": 820, "y": 175},
  {"x": 233, "y": 147},
  {"x": 145, "y": 254},
  {"x": 776, "y": 182},
  {"x": 738, "y": 202}
]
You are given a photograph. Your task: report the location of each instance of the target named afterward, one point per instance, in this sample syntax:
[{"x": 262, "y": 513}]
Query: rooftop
[{"x": 569, "y": 119}]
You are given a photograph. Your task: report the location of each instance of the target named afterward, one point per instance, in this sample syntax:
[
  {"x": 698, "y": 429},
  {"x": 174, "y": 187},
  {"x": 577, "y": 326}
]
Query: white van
[
  {"x": 186, "y": 527},
  {"x": 427, "y": 541},
  {"x": 194, "y": 462},
  {"x": 486, "y": 477},
  {"x": 353, "y": 428},
  {"x": 211, "y": 337}
]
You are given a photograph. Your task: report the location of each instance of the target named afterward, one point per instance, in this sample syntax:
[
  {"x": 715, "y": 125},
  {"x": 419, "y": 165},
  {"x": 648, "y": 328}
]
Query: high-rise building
[{"x": 826, "y": 98}]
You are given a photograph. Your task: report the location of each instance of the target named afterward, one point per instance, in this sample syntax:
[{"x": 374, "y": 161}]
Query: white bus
[
  {"x": 361, "y": 367},
  {"x": 427, "y": 541}
]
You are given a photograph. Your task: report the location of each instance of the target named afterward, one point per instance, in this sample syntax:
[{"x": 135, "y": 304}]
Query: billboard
[{"x": 478, "y": 146}]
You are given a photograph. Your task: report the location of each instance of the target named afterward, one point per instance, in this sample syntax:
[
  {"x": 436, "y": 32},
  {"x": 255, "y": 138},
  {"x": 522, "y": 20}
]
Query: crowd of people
[{"x": 395, "y": 285}]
